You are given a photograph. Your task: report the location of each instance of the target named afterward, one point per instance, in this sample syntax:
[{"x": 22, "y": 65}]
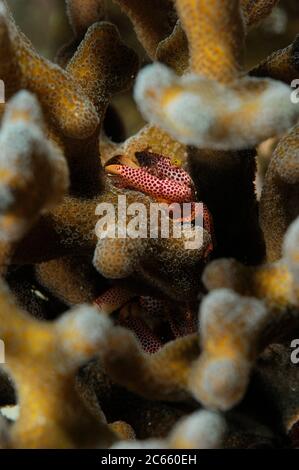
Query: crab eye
[{"x": 176, "y": 162}]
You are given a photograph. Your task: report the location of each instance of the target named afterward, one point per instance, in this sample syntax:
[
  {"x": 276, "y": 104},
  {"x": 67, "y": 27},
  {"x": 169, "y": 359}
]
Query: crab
[{"x": 158, "y": 177}]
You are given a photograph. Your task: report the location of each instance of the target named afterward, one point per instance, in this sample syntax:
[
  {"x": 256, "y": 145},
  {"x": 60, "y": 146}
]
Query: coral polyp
[{"x": 149, "y": 262}]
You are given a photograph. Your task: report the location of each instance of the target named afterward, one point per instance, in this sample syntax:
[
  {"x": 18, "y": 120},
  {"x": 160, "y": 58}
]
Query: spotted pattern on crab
[
  {"x": 113, "y": 299},
  {"x": 182, "y": 325},
  {"x": 146, "y": 316},
  {"x": 162, "y": 167},
  {"x": 197, "y": 210},
  {"x": 148, "y": 339},
  {"x": 161, "y": 189},
  {"x": 164, "y": 181},
  {"x": 152, "y": 306}
]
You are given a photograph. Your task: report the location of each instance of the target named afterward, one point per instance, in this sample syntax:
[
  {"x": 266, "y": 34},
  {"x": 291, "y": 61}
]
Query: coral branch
[
  {"x": 159, "y": 376},
  {"x": 103, "y": 65},
  {"x": 257, "y": 10},
  {"x": 200, "y": 430},
  {"x": 84, "y": 14},
  {"x": 290, "y": 255},
  {"x": 281, "y": 65},
  {"x": 71, "y": 279},
  {"x": 43, "y": 359},
  {"x": 33, "y": 171},
  {"x": 278, "y": 205},
  {"x": 68, "y": 230},
  {"x": 232, "y": 337},
  {"x": 230, "y": 329},
  {"x": 278, "y": 378},
  {"x": 202, "y": 112},
  {"x": 210, "y": 108},
  {"x": 215, "y": 32},
  {"x": 62, "y": 99},
  {"x": 276, "y": 284},
  {"x": 81, "y": 16},
  {"x": 271, "y": 283},
  {"x": 149, "y": 139},
  {"x": 164, "y": 263},
  {"x": 174, "y": 50},
  {"x": 153, "y": 21}
]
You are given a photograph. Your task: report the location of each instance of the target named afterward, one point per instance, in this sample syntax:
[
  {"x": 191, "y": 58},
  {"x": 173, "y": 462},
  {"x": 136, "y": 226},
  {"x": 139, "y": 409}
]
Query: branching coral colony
[{"x": 129, "y": 365}]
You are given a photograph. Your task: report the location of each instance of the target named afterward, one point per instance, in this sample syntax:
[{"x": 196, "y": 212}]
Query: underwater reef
[{"x": 131, "y": 342}]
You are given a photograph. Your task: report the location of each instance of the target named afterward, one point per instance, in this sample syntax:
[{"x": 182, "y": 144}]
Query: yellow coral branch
[
  {"x": 215, "y": 31},
  {"x": 43, "y": 359},
  {"x": 33, "y": 171},
  {"x": 278, "y": 205}
]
